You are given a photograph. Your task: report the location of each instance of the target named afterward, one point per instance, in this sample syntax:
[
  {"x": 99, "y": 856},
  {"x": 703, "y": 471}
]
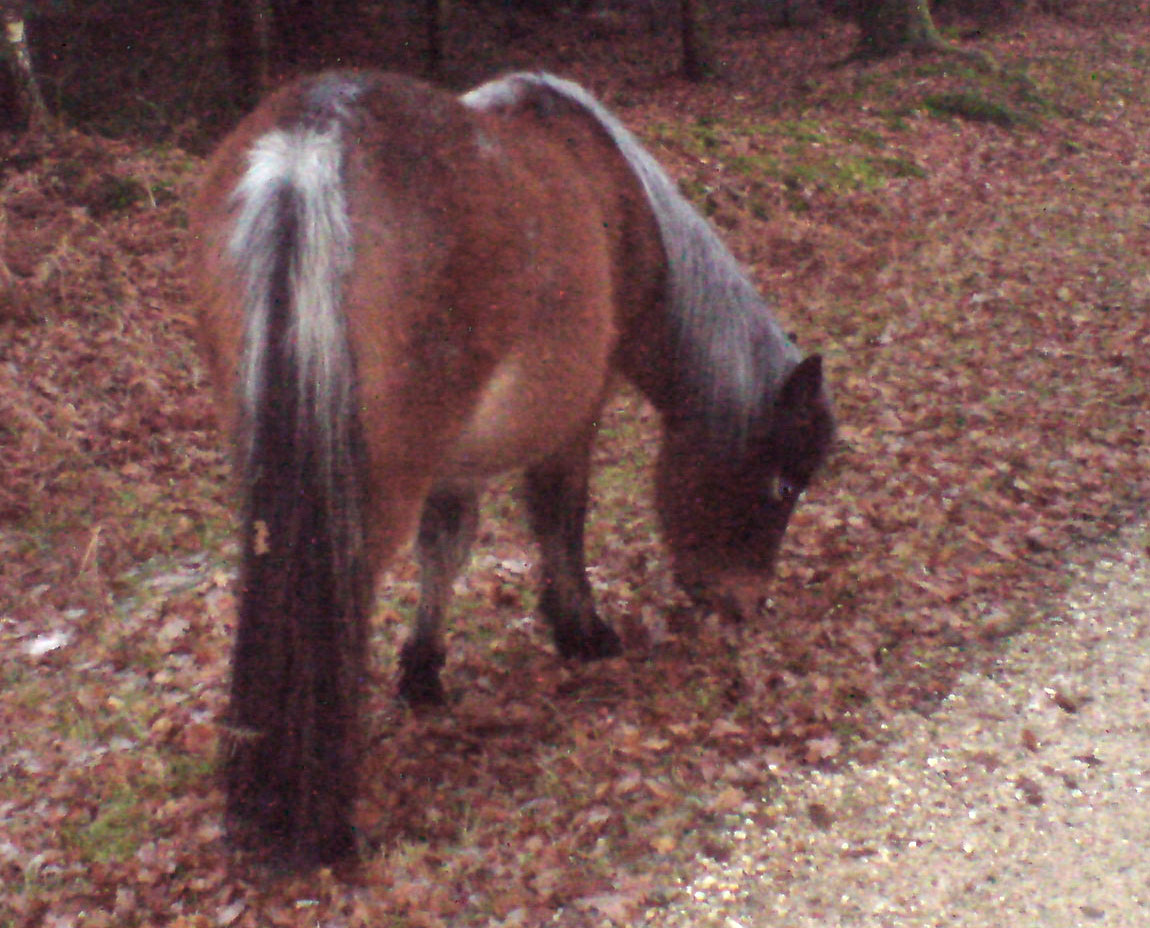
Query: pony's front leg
[
  {"x": 557, "y": 504},
  {"x": 446, "y": 532}
]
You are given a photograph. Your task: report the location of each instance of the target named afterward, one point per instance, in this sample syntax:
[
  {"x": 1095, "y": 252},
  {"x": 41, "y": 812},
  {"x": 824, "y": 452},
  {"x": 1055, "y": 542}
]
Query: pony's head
[{"x": 724, "y": 516}]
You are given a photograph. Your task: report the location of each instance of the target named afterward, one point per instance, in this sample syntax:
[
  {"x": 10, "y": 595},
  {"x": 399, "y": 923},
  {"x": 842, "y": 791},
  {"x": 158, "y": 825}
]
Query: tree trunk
[
  {"x": 699, "y": 60},
  {"x": 310, "y": 34},
  {"x": 263, "y": 40},
  {"x": 435, "y": 14},
  {"x": 889, "y": 26},
  {"x": 245, "y": 39},
  {"x": 30, "y": 111}
]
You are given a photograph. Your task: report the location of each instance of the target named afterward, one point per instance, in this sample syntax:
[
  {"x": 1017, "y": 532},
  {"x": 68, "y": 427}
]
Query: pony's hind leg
[
  {"x": 556, "y": 492},
  {"x": 446, "y": 531}
]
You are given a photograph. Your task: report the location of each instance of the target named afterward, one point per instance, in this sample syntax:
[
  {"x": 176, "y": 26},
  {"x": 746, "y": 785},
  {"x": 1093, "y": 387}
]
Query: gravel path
[{"x": 1022, "y": 802}]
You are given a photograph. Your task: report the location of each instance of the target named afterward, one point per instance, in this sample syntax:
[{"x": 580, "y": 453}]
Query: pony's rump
[{"x": 403, "y": 293}]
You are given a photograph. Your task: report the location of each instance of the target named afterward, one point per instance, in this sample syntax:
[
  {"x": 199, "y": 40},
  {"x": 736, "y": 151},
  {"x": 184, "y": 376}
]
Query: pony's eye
[{"x": 781, "y": 489}]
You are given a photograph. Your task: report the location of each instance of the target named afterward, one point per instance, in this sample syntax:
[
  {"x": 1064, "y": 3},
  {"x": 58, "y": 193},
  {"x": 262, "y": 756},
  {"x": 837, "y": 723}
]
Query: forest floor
[{"x": 969, "y": 250}]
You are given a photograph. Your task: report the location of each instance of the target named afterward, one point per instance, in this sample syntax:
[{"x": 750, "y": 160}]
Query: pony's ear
[
  {"x": 804, "y": 424},
  {"x": 803, "y": 388}
]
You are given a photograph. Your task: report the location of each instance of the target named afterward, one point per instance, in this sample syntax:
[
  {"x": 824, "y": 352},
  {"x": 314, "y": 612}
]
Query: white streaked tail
[
  {"x": 305, "y": 586},
  {"x": 297, "y": 172}
]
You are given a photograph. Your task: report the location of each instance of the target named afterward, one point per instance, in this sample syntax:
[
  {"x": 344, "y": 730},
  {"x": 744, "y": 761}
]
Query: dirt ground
[{"x": 1021, "y": 801}]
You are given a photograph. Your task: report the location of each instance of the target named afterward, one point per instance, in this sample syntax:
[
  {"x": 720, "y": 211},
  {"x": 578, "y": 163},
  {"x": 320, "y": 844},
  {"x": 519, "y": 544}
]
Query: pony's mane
[{"x": 733, "y": 352}]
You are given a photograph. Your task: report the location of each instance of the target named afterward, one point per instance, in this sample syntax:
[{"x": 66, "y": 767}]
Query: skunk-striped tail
[{"x": 300, "y": 648}]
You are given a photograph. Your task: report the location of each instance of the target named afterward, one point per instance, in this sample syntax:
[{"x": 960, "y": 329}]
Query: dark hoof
[
  {"x": 598, "y": 641},
  {"x": 419, "y": 676},
  {"x": 601, "y": 641}
]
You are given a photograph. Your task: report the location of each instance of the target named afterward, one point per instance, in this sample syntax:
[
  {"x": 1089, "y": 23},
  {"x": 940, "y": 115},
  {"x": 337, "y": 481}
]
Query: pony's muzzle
[{"x": 736, "y": 596}]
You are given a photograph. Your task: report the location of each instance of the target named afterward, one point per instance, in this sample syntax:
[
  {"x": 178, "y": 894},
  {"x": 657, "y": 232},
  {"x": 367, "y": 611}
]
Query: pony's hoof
[
  {"x": 422, "y": 690},
  {"x": 594, "y": 643},
  {"x": 419, "y": 683},
  {"x": 602, "y": 641}
]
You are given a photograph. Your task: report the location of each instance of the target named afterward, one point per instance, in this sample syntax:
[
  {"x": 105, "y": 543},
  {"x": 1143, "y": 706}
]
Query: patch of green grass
[
  {"x": 698, "y": 139},
  {"x": 759, "y": 208},
  {"x": 976, "y": 108},
  {"x": 896, "y": 121},
  {"x": 753, "y": 164},
  {"x": 121, "y": 715},
  {"x": 116, "y": 831},
  {"x": 185, "y": 771},
  {"x": 814, "y": 156},
  {"x": 1081, "y": 90},
  {"x": 903, "y": 167},
  {"x": 800, "y": 130},
  {"x": 708, "y": 136},
  {"x": 848, "y": 173},
  {"x": 698, "y": 192},
  {"x": 948, "y": 67},
  {"x": 869, "y": 138},
  {"x": 706, "y": 133}
]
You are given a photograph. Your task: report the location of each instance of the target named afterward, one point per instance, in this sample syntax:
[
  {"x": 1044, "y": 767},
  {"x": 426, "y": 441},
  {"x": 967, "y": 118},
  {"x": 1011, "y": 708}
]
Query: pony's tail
[{"x": 300, "y": 650}]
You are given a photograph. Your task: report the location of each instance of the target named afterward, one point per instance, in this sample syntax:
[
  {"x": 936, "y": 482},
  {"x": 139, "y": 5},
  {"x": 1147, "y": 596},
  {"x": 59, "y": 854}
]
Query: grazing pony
[{"x": 403, "y": 293}]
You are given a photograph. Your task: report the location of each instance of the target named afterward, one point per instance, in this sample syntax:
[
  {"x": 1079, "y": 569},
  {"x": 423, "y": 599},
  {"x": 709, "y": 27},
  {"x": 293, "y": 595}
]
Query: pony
[{"x": 403, "y": 292}]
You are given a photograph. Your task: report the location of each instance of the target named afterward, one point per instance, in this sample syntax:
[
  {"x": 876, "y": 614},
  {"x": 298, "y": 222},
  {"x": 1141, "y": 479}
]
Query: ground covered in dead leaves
[{"x": 969, "y": 250}]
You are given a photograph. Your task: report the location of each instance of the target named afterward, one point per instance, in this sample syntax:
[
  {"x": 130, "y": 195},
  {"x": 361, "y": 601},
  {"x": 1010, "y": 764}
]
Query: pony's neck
[
  {"x": 713, "y": 358},
  {"x": 726, "y": 353},
  {"x": 731, "y": 354}
]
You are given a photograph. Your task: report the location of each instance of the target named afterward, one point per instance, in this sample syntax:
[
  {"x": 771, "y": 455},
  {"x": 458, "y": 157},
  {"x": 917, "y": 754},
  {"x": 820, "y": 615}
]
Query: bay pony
[{"x": 402, "y": 293}]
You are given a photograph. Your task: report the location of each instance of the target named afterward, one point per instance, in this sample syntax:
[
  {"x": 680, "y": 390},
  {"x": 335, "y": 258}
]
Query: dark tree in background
[
  {"x": 889, "y": 26},
  {"x": 302, "y": 29},
  {"x": 699, "y": 60},
  {"x": 264, "y": 37},
  {"x": 435, "y": 13},
  {"x": 242, "y": 34},
  {"x": 134, "y": 65},
  {"x": 21, "y": 102}
]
